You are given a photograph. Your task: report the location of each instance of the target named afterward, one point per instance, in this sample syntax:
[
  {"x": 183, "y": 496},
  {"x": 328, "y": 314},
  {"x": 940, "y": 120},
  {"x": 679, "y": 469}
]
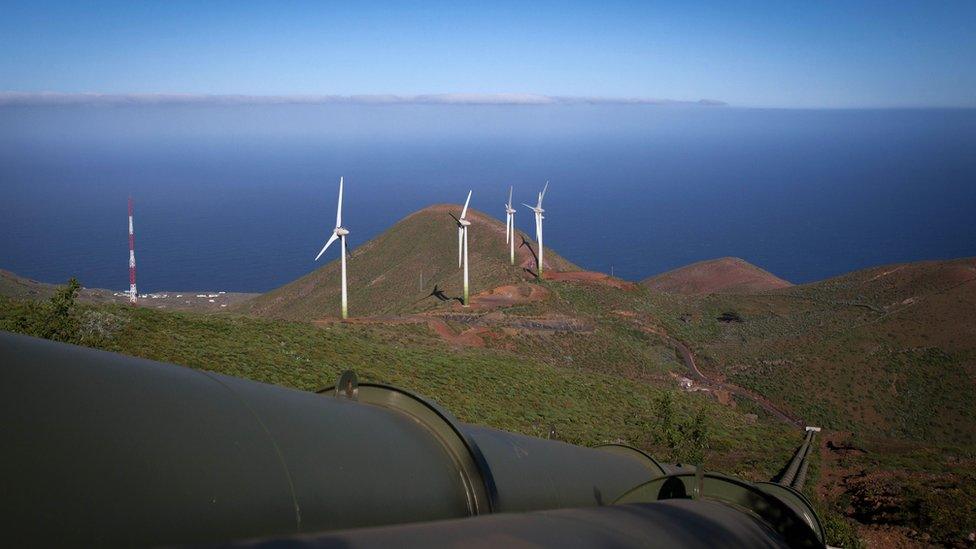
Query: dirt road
[{"x": 689, "y": 359}]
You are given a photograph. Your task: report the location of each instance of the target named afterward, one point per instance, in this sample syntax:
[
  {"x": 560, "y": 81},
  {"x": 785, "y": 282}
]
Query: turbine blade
[
  {"x": 543, "y": 193},
  {"x": 465, "y": 210},
  {"x": 456, "y": 220},
  {"x": 508, "y": 226},
  {"x": 327, "y": 244},
  {"x": 339, "y": 209},
  {"x": 509, "y": 196},
  {"x": 460, "y": 236},
  {"x": 527, "y": 206}
]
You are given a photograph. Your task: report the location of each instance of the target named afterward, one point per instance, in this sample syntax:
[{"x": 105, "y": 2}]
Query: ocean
[{"x": 241, "y": 198}]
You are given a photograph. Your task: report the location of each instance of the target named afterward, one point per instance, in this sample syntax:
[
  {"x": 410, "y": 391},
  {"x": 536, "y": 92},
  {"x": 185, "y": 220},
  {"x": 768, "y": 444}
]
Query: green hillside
[
  {"x": 883, "y": 359},
  {"x": 887, "y": 351},
  {"x": 496, "y": 387},
  {"x": 385, "y": 273}
]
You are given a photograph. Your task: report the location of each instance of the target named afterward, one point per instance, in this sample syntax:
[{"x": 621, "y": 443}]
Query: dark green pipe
[
  {"x": 103, "y": 449},
  {"x": 798, "y": 458},
  {"x": 667, "y": 524}
]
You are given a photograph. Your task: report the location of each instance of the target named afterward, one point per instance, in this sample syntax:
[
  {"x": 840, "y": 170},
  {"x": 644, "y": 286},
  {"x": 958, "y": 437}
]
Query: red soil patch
[
  {"x": 833, "y": 476},
  {"x": 589, "y": 276},
  {"x": 507, "y": 296},
  {"x": 888, "y": 537},
  {"x": 468, "y": 338}
]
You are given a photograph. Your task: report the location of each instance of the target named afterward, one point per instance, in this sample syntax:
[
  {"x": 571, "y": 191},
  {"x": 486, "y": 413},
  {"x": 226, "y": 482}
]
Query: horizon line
[{"x": 48, "y": 98}]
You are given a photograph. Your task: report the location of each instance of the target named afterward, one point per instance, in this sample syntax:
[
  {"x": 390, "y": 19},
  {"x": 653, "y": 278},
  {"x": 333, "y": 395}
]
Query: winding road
[{"x": 689, "y": 359}]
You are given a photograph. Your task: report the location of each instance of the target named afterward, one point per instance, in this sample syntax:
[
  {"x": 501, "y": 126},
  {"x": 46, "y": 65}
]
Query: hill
[
  {"x": 885, "y": 351},
  {"x": 882, "y": 358},
  {"x": 729, "y": 275},
  {"x": 385, "y": 273},
  {"x": 12, "y": 285}
]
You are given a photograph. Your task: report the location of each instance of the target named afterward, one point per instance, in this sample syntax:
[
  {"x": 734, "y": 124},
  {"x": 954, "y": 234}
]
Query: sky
[{"x": 823, "y": 54}]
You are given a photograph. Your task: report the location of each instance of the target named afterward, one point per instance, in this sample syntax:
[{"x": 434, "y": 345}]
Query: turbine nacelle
[{"x": 341, "y": 231}]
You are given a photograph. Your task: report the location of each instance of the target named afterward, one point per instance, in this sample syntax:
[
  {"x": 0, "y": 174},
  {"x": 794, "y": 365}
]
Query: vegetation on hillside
[
  {"x": 60, "y": 319},
  {"x": 396, "y": 272},
  {"x": 491, "y": 387},
  {"x": 888, "y": 357},
  {"x": 887, "y": 354}
]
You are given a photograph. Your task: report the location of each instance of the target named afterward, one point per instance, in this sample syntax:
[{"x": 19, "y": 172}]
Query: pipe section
[
  {"x": 674, "y": 523},
  {"x": 103, "y": 449}
]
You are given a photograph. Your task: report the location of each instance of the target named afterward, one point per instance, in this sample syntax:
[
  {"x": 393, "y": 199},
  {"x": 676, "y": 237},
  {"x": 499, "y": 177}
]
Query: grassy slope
[
  {"x": 384, "y": 273},
  {"x": 889, "y": 351},
  {"x": 12, "y": 285},
  {"x": 486, "y": 386},
  {"x": 886, "y": 352},
  {"x": 601, "y": 386}
]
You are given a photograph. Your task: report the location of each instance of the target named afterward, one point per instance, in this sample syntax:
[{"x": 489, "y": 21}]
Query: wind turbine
[
  {"x": 463, "y": 225},
  {"x": 339, "y": 233},
  {"x": 510, "y": 226},
  {"x": 538, "y": 223}
]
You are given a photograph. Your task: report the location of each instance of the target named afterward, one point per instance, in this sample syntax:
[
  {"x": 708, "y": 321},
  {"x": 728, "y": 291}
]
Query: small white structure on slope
[
  {"x": 510, "y": 226},
  {"x": 463, "y": 225},
  {"x": 537, "y": 209},
  {"x": 339, "y": 233}
]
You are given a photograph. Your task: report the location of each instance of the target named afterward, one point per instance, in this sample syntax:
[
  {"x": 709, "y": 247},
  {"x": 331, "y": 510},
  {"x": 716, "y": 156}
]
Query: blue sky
[{"x": 776, "y": 54}]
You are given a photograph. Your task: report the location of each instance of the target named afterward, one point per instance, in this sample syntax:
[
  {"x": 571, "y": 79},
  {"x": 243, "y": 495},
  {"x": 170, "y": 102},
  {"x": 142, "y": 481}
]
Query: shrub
[
  {"x": 56, "y": 319},
  {"x": 730, "y": 316},
  {"x": 686, "y": 441}
]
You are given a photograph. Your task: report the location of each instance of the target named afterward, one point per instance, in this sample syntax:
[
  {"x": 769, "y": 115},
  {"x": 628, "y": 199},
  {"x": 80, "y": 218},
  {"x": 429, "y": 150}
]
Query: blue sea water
[{"x": 241, "y": 198}]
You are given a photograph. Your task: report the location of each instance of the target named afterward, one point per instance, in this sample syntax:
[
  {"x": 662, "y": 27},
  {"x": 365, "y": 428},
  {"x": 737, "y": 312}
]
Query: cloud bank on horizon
[{"x": 58, "y": 98}]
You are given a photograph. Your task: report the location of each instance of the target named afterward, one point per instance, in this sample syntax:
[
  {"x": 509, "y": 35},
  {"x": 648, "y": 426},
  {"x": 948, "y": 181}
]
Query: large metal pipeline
[
  {"x": 669, "y": 524},
  {"x": 100, "y": 448},
  {"x": 799, "y": 458},
  {"x": 103, "y": 449}
]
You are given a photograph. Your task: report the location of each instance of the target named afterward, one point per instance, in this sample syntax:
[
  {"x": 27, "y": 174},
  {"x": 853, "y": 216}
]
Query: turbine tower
[
  {"x": 510, "y": 226},
  {"x": 132, "y": 258},
  {"x": 339, "y": 233},
  {"x": 463, "y": 225},
  {"x": 537, "y": 209}
]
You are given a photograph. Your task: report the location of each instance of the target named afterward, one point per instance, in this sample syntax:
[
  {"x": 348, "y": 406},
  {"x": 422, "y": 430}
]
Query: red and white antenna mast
[{"x": 132, "y": 258}]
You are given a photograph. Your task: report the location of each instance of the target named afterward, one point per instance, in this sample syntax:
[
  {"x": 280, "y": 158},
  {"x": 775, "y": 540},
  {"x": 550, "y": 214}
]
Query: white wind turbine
[
  {"x": 339, "y": 233},
  {"x": 538, "y": 223},
  {"x": 510, "y": 226},
  {"x": 463, "y": 225}
]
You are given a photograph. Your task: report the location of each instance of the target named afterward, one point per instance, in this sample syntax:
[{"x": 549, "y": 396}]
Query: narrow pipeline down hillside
[{"x": 795, "y": 473}]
